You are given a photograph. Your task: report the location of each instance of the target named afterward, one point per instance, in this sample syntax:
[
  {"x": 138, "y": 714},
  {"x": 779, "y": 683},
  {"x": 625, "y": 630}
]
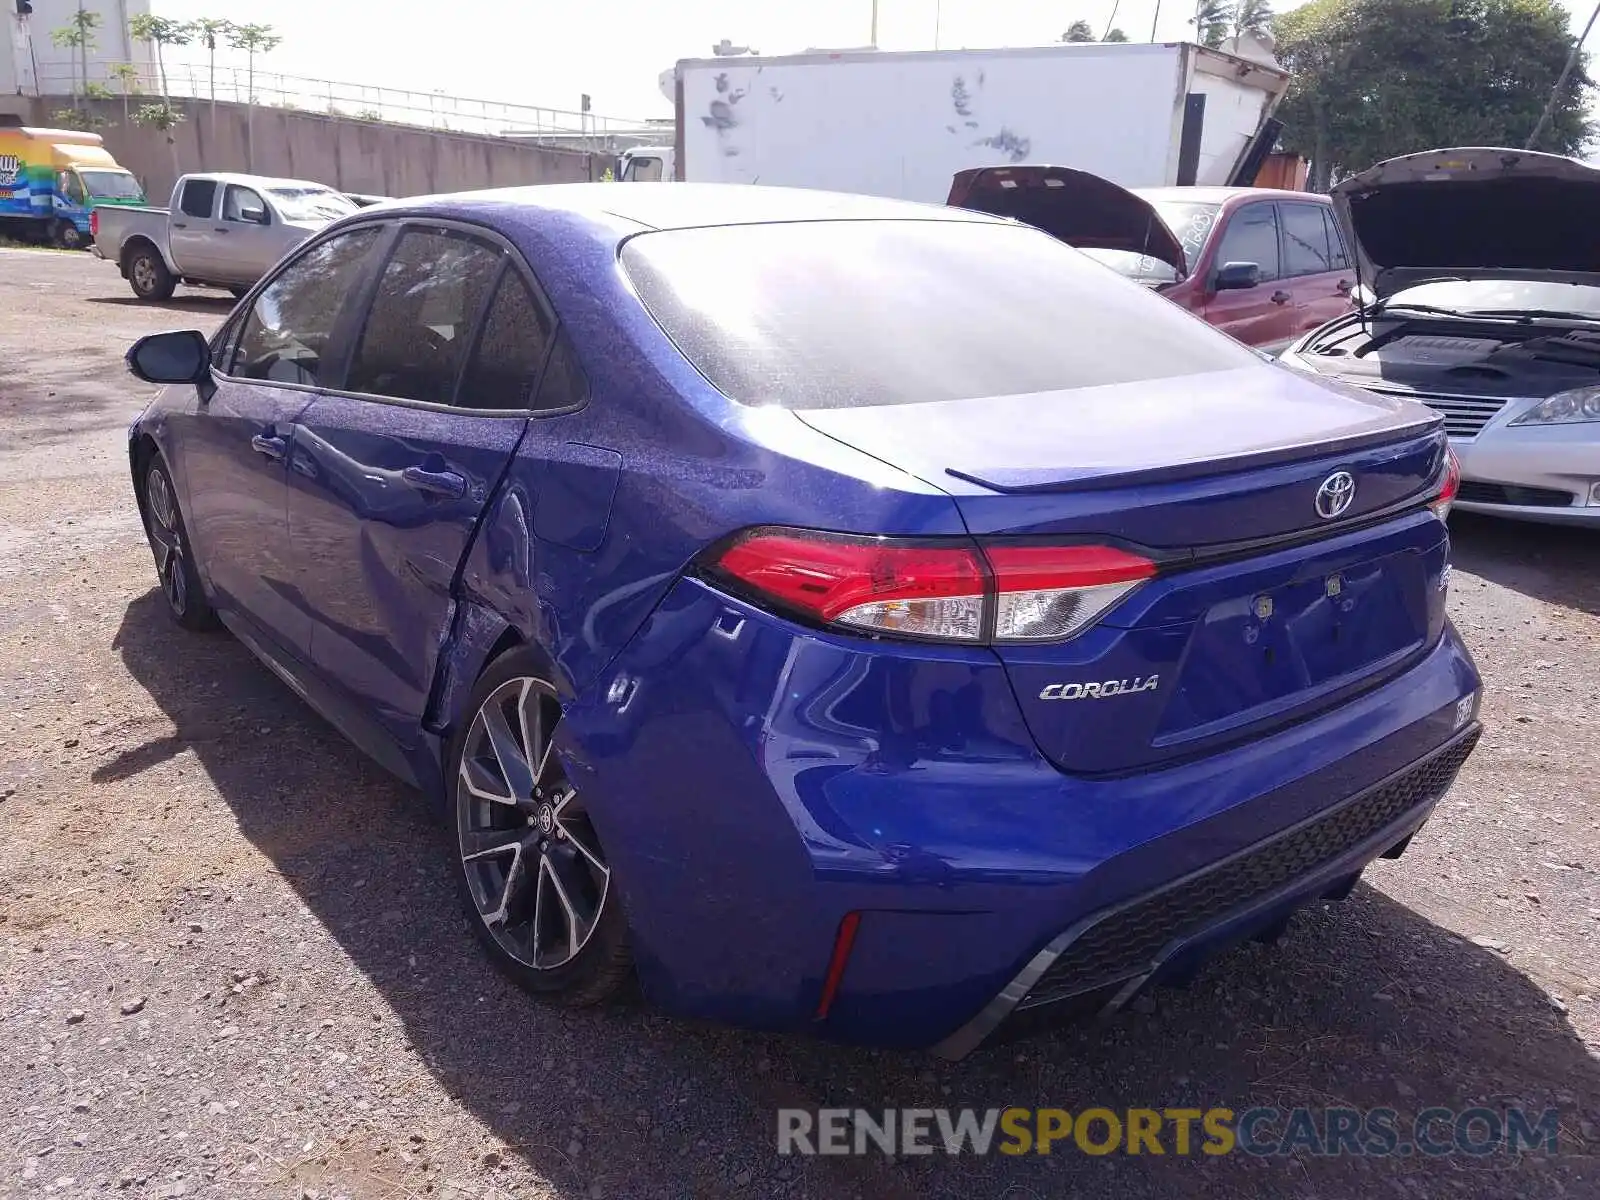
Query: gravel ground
[{"x": 231, "y": 963}]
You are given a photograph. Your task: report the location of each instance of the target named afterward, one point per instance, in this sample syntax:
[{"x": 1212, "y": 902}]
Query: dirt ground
[{"x": 231, "y": 963}]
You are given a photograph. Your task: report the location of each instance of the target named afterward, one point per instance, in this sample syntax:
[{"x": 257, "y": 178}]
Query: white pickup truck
[{"x": 221, "y": 231}]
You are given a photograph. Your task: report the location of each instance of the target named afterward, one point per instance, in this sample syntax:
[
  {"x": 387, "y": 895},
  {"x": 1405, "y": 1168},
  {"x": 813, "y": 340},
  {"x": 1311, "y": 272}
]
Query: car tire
[
  {"x": 67, "y": 236},
  {"x": 148, "y": 275},
  {"x": 169, "y": 544},
  {"x": 533, "y": 878}
]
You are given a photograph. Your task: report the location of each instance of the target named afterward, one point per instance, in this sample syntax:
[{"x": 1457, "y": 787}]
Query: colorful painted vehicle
[{"x": 50, "y": 181}]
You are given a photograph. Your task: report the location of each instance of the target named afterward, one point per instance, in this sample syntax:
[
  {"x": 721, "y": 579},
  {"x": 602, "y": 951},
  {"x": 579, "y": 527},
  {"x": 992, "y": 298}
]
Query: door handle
[
  {"x": 218, "y": 229},
  {"x": 436, "y": 483},
  {"x": 1281, "y": 297},
  {"x": 273, "y": 447},
  {"x": 1345, "y": 286},
  {"x": 180, "y": 225}
]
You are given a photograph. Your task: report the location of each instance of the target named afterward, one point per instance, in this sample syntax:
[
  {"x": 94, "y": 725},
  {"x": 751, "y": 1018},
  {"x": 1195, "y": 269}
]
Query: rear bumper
[
  {"x": 1109, "y": 956},
  {"x": 754, "y": 783}
]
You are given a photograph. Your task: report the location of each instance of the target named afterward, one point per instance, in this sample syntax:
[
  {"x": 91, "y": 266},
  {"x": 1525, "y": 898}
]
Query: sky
[{"x": 537, "y": 52}]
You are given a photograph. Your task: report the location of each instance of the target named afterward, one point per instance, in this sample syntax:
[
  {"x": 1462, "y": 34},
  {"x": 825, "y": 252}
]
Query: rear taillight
[
  {"x": 1045, "y": 593},
  {"x": 1449, "y": 485},
  {"x": 94, "y": 222},
  {"x": 946, "y": 590}
]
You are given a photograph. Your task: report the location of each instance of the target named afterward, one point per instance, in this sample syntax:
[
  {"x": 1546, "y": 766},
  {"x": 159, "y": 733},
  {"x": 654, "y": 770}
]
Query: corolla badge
[
  {"x": 1335, "y": 495},
  {"x": 1100, "y": 691}
]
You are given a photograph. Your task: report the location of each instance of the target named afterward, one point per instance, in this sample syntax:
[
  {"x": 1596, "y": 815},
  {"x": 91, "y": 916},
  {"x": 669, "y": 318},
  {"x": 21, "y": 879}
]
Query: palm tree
[
  {"x": 1114, "y": 35},
  {"x": 1252, "y": 16},
  {"x": 1079, "y": 31},
  {"x": 159, "y": 32},
  {"x": 1211, "y": 21}
]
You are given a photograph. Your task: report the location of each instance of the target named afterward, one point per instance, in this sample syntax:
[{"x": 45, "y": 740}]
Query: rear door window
[
  {"x": 845, "y": 314},
  {"x": 285, "y": 338},
  {"x": 199, "y": 197},
  {"x": 429, "y": 300},
  {"x": 511, "y": 348},
  {"x": 1252, "y": 237},
  {"x": 1305, "y": 240},
  {"x": 1339, "y": 259}
]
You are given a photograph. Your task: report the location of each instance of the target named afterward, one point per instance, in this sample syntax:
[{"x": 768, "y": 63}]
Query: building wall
[
  {"x": 56, "y": 65},
  {"x": 354, "y": 156}
]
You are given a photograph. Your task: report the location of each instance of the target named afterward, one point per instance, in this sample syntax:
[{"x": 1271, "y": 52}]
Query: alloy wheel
[
  {"x": 532, "y": 862},
  {"x": 144, "y": 273},
  {"x": 166, "y": 539}
]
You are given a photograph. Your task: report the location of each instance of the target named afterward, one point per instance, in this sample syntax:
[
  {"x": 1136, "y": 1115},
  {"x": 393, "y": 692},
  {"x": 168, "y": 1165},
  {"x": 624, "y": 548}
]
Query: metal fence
[{"x": 142, "y": 83}]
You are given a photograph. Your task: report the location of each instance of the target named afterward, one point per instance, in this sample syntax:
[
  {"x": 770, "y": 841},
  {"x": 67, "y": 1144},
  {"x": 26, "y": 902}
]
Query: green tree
[
  {"x": 1079, "y": 31},
  {"x": 1377, "y": 78},
  {"x": 206, "y": 31},
  {"x": 78, "y": 34},
  {"x": 159, "y": 32},
  {"x": 1212, "y": 21},
  {"x": 1114, "y": 35},
  {"x": 127, "y": 77},
  {"x": 165, "y": 118},
  {"x": 253, "y": 40}
]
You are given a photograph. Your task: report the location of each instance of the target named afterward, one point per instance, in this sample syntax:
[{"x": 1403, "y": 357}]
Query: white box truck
[{"x": 902, "y": 124}]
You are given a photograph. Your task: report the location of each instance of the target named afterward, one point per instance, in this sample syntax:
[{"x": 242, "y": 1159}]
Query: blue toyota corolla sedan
[{"x": 845, "y": 615}]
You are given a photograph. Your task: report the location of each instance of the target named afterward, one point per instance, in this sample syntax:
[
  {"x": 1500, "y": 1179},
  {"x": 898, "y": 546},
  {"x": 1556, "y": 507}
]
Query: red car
[{"x": 1263, "y": 265}]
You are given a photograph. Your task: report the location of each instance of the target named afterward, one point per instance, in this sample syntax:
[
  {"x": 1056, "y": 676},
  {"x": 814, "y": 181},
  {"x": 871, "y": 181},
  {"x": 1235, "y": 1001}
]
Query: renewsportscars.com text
[{"x": 1262, "y": 1132}]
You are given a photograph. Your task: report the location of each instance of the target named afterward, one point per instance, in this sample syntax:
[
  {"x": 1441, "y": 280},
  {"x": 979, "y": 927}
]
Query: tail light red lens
[
  {"x": 868, "y": 583},
  {"x": 950, "y": 590},
  {"x": 1448, "y": 486},
  {"x": 94, "y": 222}
]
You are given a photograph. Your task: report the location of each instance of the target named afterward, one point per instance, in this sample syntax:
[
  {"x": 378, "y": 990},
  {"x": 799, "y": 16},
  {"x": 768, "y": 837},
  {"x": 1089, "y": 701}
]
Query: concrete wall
[{"x": 354, "y": 156}]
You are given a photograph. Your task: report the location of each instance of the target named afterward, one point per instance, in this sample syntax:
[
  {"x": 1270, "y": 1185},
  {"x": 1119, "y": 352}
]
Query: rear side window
[
  {"x": 1339, "y": 259},
  {"x": 286, "y": 335},
  {"x": 845, "y": 314},
  {"x": 1305, "y": 240},
  {"x": 428, "y": 301},
  {"x": 1252, "y": 237},
  {"x": 199, "y": 197},
  {"x": 510, "y": 351}
]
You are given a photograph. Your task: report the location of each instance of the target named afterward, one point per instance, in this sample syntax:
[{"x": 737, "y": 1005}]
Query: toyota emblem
[{"x": 1335, "y": 495}]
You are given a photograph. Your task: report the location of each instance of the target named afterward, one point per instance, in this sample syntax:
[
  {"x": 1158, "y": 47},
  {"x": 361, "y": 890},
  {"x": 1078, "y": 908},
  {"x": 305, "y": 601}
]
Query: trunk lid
[
  {"x": 1471, "y": 213},
  {"x": 1076, "y": 207},
  {"x": 1265, "y": 609}
]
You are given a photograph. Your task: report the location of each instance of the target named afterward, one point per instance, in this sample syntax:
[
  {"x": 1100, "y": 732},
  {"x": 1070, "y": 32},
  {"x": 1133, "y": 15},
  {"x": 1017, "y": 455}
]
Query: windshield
[
  {"x": 1190, "y": 223},
  {"x": 112, "y": 185},
  {"x": 1130, "y": 264},
  {"x": 1500, "y": 295},
  {"x": 311, "y": 204},
  {"x": 851, "y": 314}
]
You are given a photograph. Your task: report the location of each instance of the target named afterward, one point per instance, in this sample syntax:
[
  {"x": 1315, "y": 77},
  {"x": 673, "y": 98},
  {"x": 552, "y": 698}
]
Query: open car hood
[
  {"x": 1075, "y": 207},
  {"x": 1472, "y": 213}
]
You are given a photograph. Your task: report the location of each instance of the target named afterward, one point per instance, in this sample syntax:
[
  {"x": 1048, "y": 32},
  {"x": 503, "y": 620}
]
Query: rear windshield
[{"x": 848, "y": 314}]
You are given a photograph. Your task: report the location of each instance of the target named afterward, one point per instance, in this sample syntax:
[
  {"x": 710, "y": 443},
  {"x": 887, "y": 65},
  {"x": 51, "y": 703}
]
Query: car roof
[
  {"x": 1221, "y": 195},
  {"x": 685, "y": 205},
  {"x": 256, "y": 181}
]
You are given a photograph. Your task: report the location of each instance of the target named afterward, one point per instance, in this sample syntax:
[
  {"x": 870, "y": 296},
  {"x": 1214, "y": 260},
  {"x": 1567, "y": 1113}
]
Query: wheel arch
[{"x": 139, "y": 241}]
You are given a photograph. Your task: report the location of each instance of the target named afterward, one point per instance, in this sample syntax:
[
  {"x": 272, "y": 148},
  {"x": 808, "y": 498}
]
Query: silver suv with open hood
[{"x": 1480, "y": 274}]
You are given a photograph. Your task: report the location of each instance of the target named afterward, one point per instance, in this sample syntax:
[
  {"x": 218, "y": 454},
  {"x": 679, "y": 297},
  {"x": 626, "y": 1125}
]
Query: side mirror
[
  {"x": 1237, "y": 276},
  {"x": 181, "y": 357},
  {"x": 255, "y": 216}
]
